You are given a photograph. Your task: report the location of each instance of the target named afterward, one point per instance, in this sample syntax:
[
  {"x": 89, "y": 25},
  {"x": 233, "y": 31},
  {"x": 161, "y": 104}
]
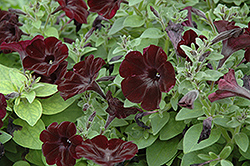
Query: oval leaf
[
  {"x": 161, "y": 152},
  {"x": 192, "y": 136},
  {"x": 242, "y": 141},
  {"x": 29, "y": 136},
  {"x": 45, "y": 89},
  {"x": 152, "y": 33},
  {"x": 30, "y": 112},
  {"x": 133, "y": 21}
]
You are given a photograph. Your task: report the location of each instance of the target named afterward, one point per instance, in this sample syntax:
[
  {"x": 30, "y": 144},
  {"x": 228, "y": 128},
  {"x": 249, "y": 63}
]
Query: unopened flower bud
[
  {"x": 205, "y": 133},
  {"x": 154, "y": 11},
  {"x": 188, "y": 99}
]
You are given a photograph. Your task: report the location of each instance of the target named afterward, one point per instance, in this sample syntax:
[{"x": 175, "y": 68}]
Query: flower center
[
  {"x": 153, "y": 74},
  {"x": 66, "y": 142},
  {"x": 49, "y": 59}
]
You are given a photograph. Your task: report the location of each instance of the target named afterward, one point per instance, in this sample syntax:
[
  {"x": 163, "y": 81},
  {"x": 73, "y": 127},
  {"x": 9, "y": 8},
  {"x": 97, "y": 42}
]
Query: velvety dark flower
[
  {"x": 20, "y": 46},
  {"x": 9, "y": 28},
  {"x": 206, "y": 130},
  {"x": 235, "y": 42},
  {"x": 117, "y": 109},
  {"x": 146, "y": 75},
  {"x": 187, "y": 39},
  {"x": 3, "y": 105},
  {"x": 188, "y": 99},
  {"x": 228, "y": 87},
  {"x": 82, "y": 78},
  {"x": 59, "y": 143},
  {"x": 105, "y": 8},
  {"x": 106, "y": 152},
  {"x": 44, "y": 56},
  {"x": 57, "y": 76},
  {"x": 74, "y": 9}
]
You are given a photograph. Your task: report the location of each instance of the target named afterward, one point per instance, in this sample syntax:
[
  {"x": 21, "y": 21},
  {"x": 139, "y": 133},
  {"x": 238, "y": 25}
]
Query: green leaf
[
  {"x": 4, "y": 72},
  {"x": 37, "y": 24},
  {"x": 6, "y": 87},
  {"x": 119, "y": 122},
  {"x": 29, "y": 136},
  {"x": 167, "y": 131},
  {"x": 117, "y": 26},
  {"x": 186, "y": 113},
  {"x": 152, "y": 33},
  {"x": 136, "y": 134},
  {"x": 161, "y": 152},
  {"x": 192, "y": 136},
  {"x": 226, "y": 151},
  {"x": 213, "y": 75},
  {"x": 242, "y": 141},
  {"x": 55, "y": 104},
  {"x": 215, "y": 56},
  {"x": 17, "y": 77},
  {"x": 226, "y": 163},
  {"x": 21, "y": 163},
  {"x": 45, "y": 89},
  {"x": 30, "y": 112},
  {"x": 35, "y": 157},
  {"x": 133, "y": 21},
  {"x": 185, "y": 86},
  {"x": 51, "y": 31},
  {"x": 134, "y": 2},
  {"x": 4, "y": 137},
  {"x": 65, "y": 115},
  {"x": 158, "y": 122},
  {"x": 99, "y": 41},
  {"x": 30, "y": 96}
]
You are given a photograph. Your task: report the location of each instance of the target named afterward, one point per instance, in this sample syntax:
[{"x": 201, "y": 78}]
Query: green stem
[
  {"x": 225, "y": 135},
  {"x": 138, "y": 12}
]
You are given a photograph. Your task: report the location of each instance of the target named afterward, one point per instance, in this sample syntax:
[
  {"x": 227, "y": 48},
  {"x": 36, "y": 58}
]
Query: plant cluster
[{"x": 116, "y": 82}]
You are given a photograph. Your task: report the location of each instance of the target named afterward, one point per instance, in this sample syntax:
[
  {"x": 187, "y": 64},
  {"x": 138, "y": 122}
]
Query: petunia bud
[
  {"x": 154, "y": 11},
  {"x": 246, "y": 82},
  {"x": 205, "y": 133},
  {"x": 227, "y": 34},
  {"x": 90, "y": 120},
  {"x": 188, "y": 99}
]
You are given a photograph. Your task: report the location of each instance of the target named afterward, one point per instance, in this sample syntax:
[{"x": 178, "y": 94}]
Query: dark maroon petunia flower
[
  {"x": 9, "y": 28},
  {"x": 3, "y": 105},
  {"x": 59, "y": 143},
  {"x": 105, "y": 8},
  {"x": 20, "y": 46},
  {"x": 117, "y": 109},
  {"x": 228, "y": 87},
  {"x": 74, "y": 9},
  {"x": 44, "y": 56},
  {"x": 82, "y": 78},
  {"x": 106, "y": 152},
  {"x": 187, "y": 39},
  {"x": 57, "y": 76},
  {"x": 234, "y": 42},
  {"x": 146, "y": 75}
]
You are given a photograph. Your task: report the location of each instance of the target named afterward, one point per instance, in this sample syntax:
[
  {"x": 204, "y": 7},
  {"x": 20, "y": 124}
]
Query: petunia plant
[{"x": 124, "y": 82}]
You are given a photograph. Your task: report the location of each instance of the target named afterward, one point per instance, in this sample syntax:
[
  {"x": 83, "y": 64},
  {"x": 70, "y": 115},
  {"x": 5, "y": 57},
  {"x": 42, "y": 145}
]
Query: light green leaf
[
  {"x": 226, "y": 163},
  {"x": 226, "y": 151},
  {"x": 6, "y": 87},
  {"x": 51, "y": 31},
  {"x": 45, "y": 89},
  {"x": 37, "y": 24},
  {"x": 158, "y": 122},
  {"x": 134, "y": 2},
  {"x": 152, "y": 33},
  {"x": 29, "y": 136},
  {"x": 167, "y": 131},
  {"x": 17, "y": 77},
  {"x": 213, "y": 75},
  {"x": 186, "y": 113},
  {"x": 119, "y": 122},
  {"x": 192, "y": 136},
  {"x": 133, "y": 21},
  {"x": 215, "y": 56},
  {"x": 35, "y": 157},
  {"x": 117, "y": 26},
  {"x": 55, "y": 104},
  {"x": 242, "y": 141},
  {"x": 30, "y": 112},
  {"x": 4, "y": 137},
  {"x": 161, "y": 152},
  {"x": 21, "y": 163},
  {"x": 30, "y": 96}
]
